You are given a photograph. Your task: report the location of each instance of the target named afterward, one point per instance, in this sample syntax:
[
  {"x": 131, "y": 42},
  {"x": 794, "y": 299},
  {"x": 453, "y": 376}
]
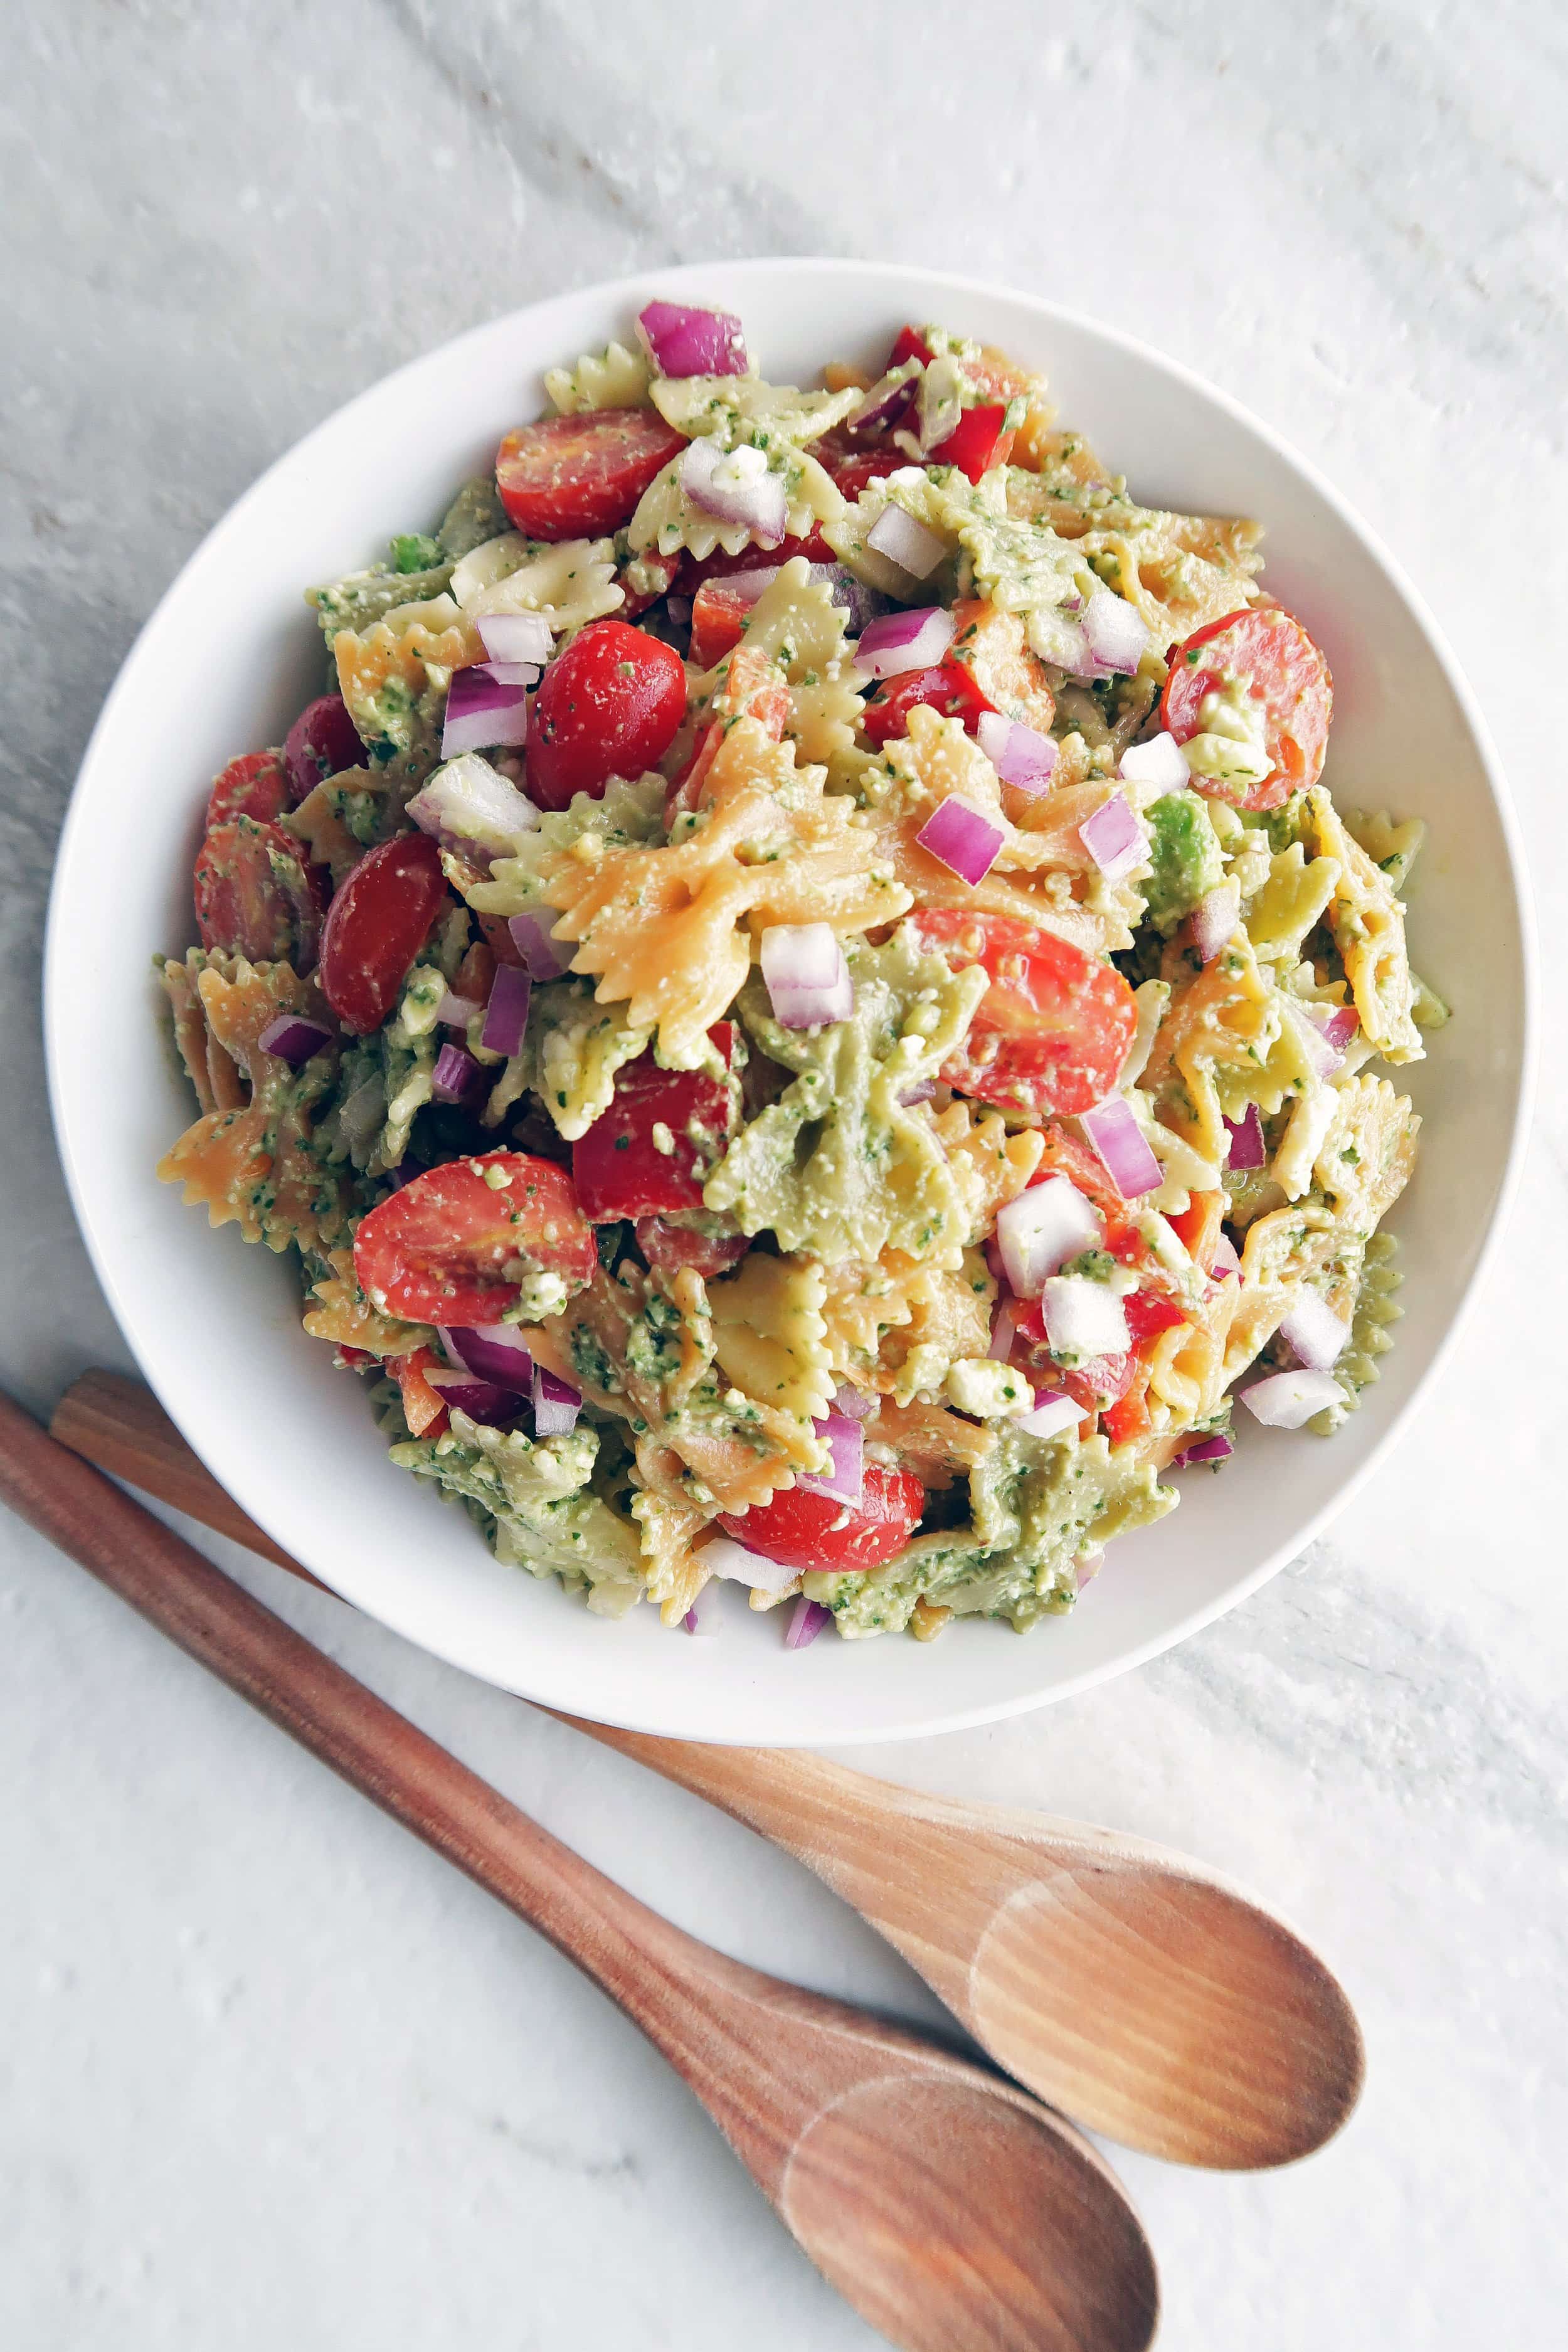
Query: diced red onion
[
  {"x": 916, "y": 639},
  {"x": 679, "y": 611},
  {"x": 757, "y": 499},
  {"x": 681, "y": 339},
  {"x": 745, "y": 587},
  {"x": 1003, "y": 1330},
  {"x": 1061, "y": 640},
  {"x": 1322, "y": 1058},
  {"x": 482, "y": 712},
  {"x": 491, "y": 1351},
  {"x": 1053, "y": 1413},
  {"x": 1289, "y": 1399},
  {"x": 1215, "y": 919},
  {"x": 702, "y": 1617},
  {"x": 924, "y": 1092},
  {"x": 1087, "y": 1567},
  {"x": 556, "y": 1405},
  {"x": 1247, "y": 1149},
  {"x": 887, "y": 399},
  {"x": 853, "y": 1401},
  {"x": 846, "y": 1441},
  {"x": 724, "y": 1556},
  {"x": 1039, "y": 1229},
  {"x": 863, "y": 604},
  {"x": 1113, "y": 1130},
  {"x": 506, "y": 1015},
  {"x": 515, "y": 637},
  {"x": 1021, "y": 755},
  {"x": 1225, "y": 1261},
  {"x": 1114, "y": 837},
  {"x": 1339, "y": 1026},
  {"x": 1315, "y": 1334},
  {"x": 1160, "y": 763},
  {"x": 525, "y": 674},
  {"x": 293, "y": 1039},
  {"x": 1084, "y": 1317},
  {"x": 906, "y": 542},
  {"x": 807, "y": 974},
  {"x": 468, "y": 803},
  {"x": 455, "y": 1075},
  {"x": 1117, "y": 634},
  {"x": 807, "y": 1620},
  {"x": 456, "y": 1011},
  {"x": 941, "y": 403},
  {"x": 546, "y": 956},
  {"x": 480, "y": 1400},
  {"x": 1209, "y": 1449},
  {"x": 964, "y": 840}
]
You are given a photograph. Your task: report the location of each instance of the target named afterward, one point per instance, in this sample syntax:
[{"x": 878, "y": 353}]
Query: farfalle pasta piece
[
  {"x": 568, "y": 584},
  {"x": 1392, "y": 843},
  {"x": 1368, "y": 1153},
  {"x": 668, "y": 1522},
  {"x": 613, "y": 378},
  {"x": 343, "y": 1316},
  {"x": 1223, "y": 1021},
  {"x": 795, "y": 625},
  {"x": 769, "y": 1342},
  {"x": 394, "y": 682},
  {"x": 1292, "y": 899},
  {"x": 992, "y": 1165},
  {"x": 220, "y": 1083},
  {"x": 949, "y": 1319},
  {"x": 1368, "y": 925}
]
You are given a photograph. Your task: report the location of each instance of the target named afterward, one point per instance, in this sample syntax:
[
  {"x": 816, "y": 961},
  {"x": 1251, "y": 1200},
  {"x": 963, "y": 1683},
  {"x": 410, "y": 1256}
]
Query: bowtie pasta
[{"x": 800, "y": 998}]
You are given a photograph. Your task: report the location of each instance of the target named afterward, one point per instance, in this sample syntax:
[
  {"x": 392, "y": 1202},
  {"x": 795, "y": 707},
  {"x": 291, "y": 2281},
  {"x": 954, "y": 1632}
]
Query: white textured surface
[{"x": 268, "y": 2073}]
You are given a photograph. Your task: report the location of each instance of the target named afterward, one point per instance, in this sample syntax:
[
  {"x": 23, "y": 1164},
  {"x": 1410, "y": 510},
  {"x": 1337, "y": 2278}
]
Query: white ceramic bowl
[{"x": 230, "y": 655}]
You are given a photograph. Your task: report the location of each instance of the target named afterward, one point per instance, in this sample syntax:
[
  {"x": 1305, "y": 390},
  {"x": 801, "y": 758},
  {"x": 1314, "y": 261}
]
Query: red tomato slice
[
  {"x": 908, "y": 344},
  {"x": 423, "y": 1408},
  {"x": 1052, "y": 1030},
  {"x": 256, "y": 896},
  {"x": 617, "y": 1166},
  {"x": 376, "y": 925},
  {"x": 719, "y": 616},
  {"x": 977, "y": 441},
  {"x": 668, "y": 1248},
  {"x": 1129, "y": 1418},
  {"x": 580, "y": 476},
  {"x": 801, "y": 1529},
  {"x": 855, "y": 460},
  {"x": 453, "y": 1247},
  {"x": 254, "y": 785},
  {"x": 947, "y": 688},
  {"x": 751, "y": 688},
  {"x": 323, "y": 741},
  {"x": 1148, "y": 1313},
  {"x": 1285, "y": 671},
  {"x": 1005, "y": 676},
  {"x": 611, "y": 705}
]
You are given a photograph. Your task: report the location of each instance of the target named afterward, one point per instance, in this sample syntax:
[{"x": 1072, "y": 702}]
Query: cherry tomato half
[
  {"x": 617, "y": 1166},
  {"x": 667, "y": 1247},
  {"x": 1284, "y": 670},
  {"x": 323, "y": 741},
  {"x": 254, "y": 785},
  {"x": 376, "y": 925},
  {"x": 1052, "y": 1030},
  {"x": 801, "y": 1529},
  {"x": 423, "y": 1408},
  {"x": 720, "y": 612},
  {"x": 454, "y": 1246},
  {"x": 580, "y": 476},
  {"x": 255, "y": 894},
  {"x": 977, "y": 441},
  {"x": 611, "y": 705},
  {"x": 1006, "y": 674}
]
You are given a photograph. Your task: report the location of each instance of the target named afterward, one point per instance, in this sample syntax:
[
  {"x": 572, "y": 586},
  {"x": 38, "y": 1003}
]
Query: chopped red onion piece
[
  {"x": 1038, "y": 1230},
  {"x": 906, "y": 542},
  {"x": 456, "y": 1011},
  {"x": 1322, "y": 1058},
  {"x": 1247, "y": 1149},
  {"x": 807, "y": 1620},
  {"x": 846, "y": 1441},
  {"x": 963, "y": 839},
  {"x": 745, "y": 587},
  {"x": 905, "y": 641},
  {"x": 735, "y": 485},
  {"x": 1053, "y": 1413},
  {"x": 1289, "y": 1399},
  {"x": 546, "y": 956},
  {"x": 1002, "y": 1326},
  {"x": 491, "y": 1351},
  {"x": 514, "y": 673},
  {"x": 1113, "y": 1130},
  {"x": 888, "y": 398},
  {"x": 1058, "y": 639},
  {"x": 1114, "y": 837},
  {"x": 293, "y": 1039},
  {"x": 1209, "y": 1449},
  {"x": 853, "y": 1403},
  {"x": 466, "y": 804},
  {"x": 455, "y": 1075},
  {"x": 807, "y": 974},
  {"x": 724, "y": 1556},
  {"x": 1084, "y": 1317},
  {"x": 515, "y": 637},
  {"x": 556, "y": 1405},
  {"x": 1160, "y": 763},
  {"x": 480, "y": 1400},
  {"x": 681, "y": 339},
  {"x": 1116, "y": 633},
  {"x": 863, "y": 604},
  {"x": 910, "y": 1096},
  {"x": 1338, "y": 1025},
  {"x": 940, "y": 402},
  {"x": 702, "y": 1617},
  {"x": 1087, "y": 1567},
  {"x": 1215, "y": 919},
  {"x": 1225, "y": 1261},
  {"x": 1021, "y": 755},
  {"x": 1314, "y": 1333},
  {"x": 506, "y": 1015},
  {"x": 482, "y": 712}
]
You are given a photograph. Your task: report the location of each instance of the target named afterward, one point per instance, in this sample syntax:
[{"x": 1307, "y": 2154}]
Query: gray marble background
[{"x": 270, "y": 2074}]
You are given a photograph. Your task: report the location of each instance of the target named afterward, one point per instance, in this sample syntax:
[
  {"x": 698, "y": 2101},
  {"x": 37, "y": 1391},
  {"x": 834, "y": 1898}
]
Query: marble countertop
[{"x": 269, "y": 2072}]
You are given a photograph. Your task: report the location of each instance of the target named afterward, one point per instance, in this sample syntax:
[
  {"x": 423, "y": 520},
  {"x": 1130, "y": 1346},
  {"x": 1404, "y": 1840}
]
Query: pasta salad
[{"x": 800, "y": 1000}]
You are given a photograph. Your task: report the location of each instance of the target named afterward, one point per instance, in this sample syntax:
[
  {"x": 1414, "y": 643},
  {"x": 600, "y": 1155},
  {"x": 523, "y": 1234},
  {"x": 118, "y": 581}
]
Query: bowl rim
[{"x": 619, "y": 294}]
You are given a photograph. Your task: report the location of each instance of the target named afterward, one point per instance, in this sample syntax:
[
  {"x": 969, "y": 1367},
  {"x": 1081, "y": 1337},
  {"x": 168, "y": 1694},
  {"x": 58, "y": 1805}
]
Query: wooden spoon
[
  {"x": 947, "y": 2206},
  {"x": 1126, "y": 1984}
]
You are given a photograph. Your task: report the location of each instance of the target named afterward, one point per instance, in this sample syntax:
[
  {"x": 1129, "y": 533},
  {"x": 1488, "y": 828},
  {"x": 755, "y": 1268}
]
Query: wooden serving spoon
[
  {"x": 950, "y": 2208},
  {"x": 1124, "y": 1983}
]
